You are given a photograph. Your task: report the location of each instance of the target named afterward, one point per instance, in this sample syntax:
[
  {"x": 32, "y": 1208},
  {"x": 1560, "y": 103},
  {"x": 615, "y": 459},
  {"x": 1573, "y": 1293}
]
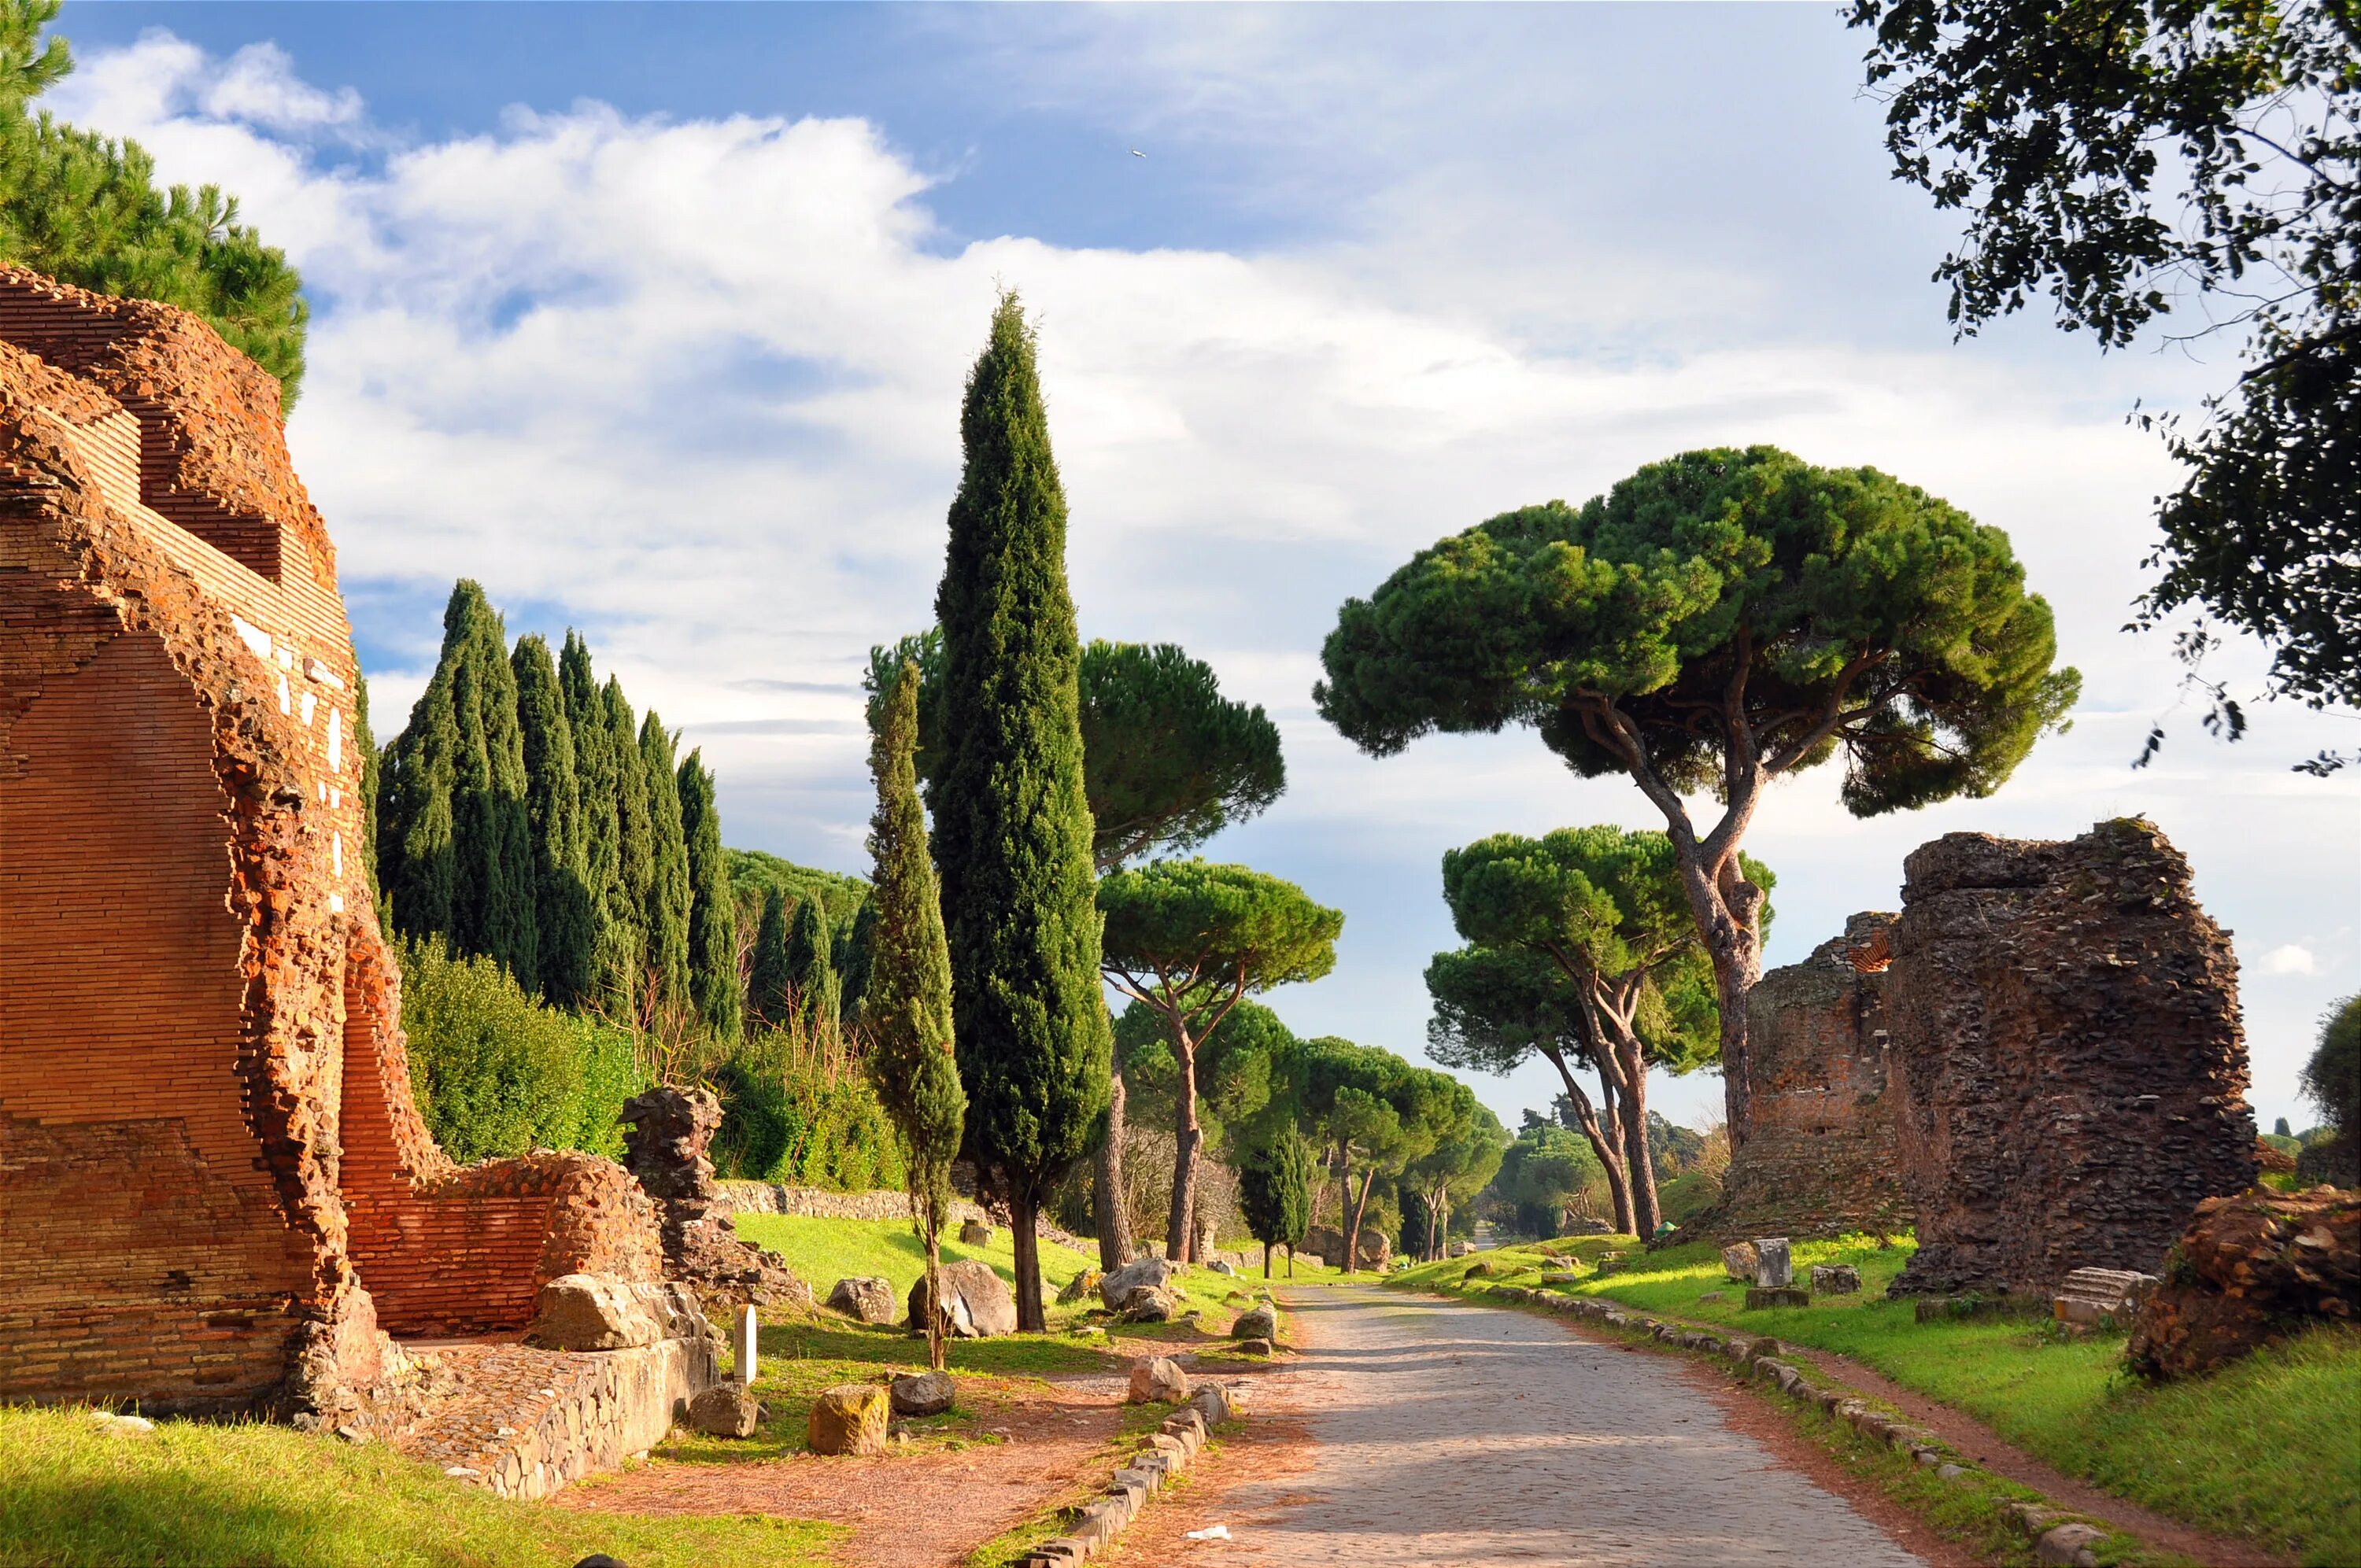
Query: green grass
[
  {"x": 825, "y": 1251},
  {"x": 261, "y": 1496},
  {"x": 2268, "y": 1448}
]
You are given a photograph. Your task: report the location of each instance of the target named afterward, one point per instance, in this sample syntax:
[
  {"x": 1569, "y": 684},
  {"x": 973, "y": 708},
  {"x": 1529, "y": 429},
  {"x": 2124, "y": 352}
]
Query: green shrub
[
  {"x": 795, "y": 1111},
  {"x": 495, "y": 1073}
]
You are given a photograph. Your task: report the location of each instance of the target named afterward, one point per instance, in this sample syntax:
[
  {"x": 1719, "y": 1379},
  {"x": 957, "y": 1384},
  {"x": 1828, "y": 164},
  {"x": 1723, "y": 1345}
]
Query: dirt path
[
  {"x": 906, "y": 1511},
  {"x": 1443, "y": 1432}
]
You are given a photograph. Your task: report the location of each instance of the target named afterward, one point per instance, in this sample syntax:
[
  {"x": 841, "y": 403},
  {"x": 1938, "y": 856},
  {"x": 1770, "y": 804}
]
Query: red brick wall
[{"x": 141, "y": 1244}]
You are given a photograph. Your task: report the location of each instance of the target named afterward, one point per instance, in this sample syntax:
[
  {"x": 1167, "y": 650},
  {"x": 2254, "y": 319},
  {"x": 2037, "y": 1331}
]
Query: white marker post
[{"x": 745, "y": 1347}]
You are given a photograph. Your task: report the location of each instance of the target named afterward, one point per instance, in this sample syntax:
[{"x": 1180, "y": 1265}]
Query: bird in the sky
[{"x": 1137, "y": 153}]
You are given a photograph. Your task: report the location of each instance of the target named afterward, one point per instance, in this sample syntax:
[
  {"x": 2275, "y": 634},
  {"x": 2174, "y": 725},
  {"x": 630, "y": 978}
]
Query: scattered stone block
[
  {"x": 2258, "y": 1266},
  {"x": 1211, "y": 1401},
  {"x": 1080, "y": 1286},
  {"x": 1760, "y": 1295},
  {"x": 1836, "y": 1280},
  {"x": 1254, "y": 1347},
  {"x": 1115, "y": 1287},
  {"x": 1712, "y": 1296},
  {"x": 1737, "y": 1262},
  {"x": 976, "y": 1304},
  {"x": 1158, "y": 1380},
  {"x": 1772, "y": 1266},
  {"x": 588, "y": 1311},
  {"x": 923, "y": 1393},
  {"x": 2094, "y": 1296},
  {"x": 726, "y": 1409},
  {"x": 2069, "y": 1545},
  {"x": 1218, "y": 1267},
  {"x": 1256, "y": 1322},
  {"x": 865, "y": 1298},
  {"x": 849, "y": 1419},
  {"x": 976, "y": 1233},
  {"x": 1560, "y": 1276},
  {"x": 745, "y": 1349},
  {"x": 1147, "y": 1304}
]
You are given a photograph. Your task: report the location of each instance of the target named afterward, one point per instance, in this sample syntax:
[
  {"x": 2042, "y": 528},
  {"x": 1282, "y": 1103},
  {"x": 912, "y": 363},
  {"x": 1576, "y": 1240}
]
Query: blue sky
[{"x": 652, "y": 319}]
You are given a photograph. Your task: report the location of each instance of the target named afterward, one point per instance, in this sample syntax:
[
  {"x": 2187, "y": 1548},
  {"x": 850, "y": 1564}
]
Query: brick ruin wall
[
  {"x": 2072, "y": 1069},
  {"x": 1817, "y": 1156},
  {"x": 215, "y": 1191}
]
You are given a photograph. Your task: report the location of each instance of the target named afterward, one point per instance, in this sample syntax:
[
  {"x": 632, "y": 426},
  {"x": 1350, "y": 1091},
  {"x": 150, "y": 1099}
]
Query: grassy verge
[
  {"x": 264, "y": 1497},
  {"x": 825, "y": 1251},
  {"x": 2267, "y": 1448}
]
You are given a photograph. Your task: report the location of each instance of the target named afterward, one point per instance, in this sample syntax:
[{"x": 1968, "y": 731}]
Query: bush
[
  {"x": 495, "y": 1073},
  {"x": 796, "y": 1110}
]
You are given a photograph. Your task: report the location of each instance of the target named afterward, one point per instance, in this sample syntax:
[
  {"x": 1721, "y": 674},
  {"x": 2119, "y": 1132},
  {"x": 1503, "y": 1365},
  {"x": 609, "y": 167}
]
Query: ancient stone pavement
[{"x": 1448, "y": 1433}]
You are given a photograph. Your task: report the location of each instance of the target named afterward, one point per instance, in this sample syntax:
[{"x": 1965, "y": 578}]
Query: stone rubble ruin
[
  {"x": 667, "y": 1133},
  {"x": 217, "y": 1194},
  {"x": 2072, "y": 1067},
  {"x": 1816, "y": 1155}
]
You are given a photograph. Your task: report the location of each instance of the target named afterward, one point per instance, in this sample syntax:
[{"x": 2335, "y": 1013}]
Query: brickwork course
[
  {"x": 1817, "y": 1156},
  {"x": 215, "y": 1191},
  {"x": 2072, "y": 1069}
]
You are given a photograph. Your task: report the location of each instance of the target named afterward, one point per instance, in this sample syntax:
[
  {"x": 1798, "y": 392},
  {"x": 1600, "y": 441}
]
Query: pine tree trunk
[
  {"x": 1023, "y": 1207},
  {"x": 1360, "y": 1208},
  {"x": 1604, "y": 1132},
  {"x": 1266, "y": 1260},
  {"x": 1180, "y": 1238},
  {"x": 1114, "y": 1224},
  {"x": 1290, "y": 1260},
  {"x": 1645, "y": 1214}
]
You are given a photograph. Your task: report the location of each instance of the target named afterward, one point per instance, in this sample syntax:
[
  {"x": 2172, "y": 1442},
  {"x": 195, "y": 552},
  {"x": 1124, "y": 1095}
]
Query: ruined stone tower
[
  {"x": 2068, "y": 1046},
  {"x": 215, "y": 1186}
]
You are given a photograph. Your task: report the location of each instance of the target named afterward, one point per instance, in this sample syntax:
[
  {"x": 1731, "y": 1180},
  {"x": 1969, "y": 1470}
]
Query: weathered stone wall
[
  {"x": 818, "y": 1204},
  {"x": 2066, "y": 1036},
  {"x": 209, "y": 1153},
  {"x": 1817, "y": 1155}
]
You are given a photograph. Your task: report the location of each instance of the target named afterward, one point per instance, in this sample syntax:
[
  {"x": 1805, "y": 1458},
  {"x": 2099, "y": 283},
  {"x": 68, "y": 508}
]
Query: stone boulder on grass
[
  {"x": 865, "y": 1298},
  {"x": 976, "y": 1304},
  {"x": 851, "y": 1418}
]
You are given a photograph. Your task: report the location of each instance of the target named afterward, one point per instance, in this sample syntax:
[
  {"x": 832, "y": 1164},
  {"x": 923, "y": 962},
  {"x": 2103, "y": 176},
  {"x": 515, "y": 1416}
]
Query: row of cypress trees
[{"x": 524, "y": 814}]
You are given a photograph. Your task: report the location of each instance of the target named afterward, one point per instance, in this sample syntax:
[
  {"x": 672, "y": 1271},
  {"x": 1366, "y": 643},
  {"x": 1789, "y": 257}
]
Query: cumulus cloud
[
  {"x": 692, "y": 383},
  {"x": 2290, "y": 958}
]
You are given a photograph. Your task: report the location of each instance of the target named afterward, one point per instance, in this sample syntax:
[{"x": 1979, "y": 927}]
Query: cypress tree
[
  {"x": 908, "y": 1001},
  {"x": 1013, "y": 827},
  {"x": 712, "y": 908},
  {"x": 666, "y": 957},
  {"x": 455, "y": 841},
  {"x": 593, "y": 777},
  {"x": 853, "y": 956},
  {"x": 627, "y": 917},
  {"x": 563, "y": 911},
  {"x": 770, "y": 983},
  {"x": 364, "y": 747},
  {"x": 811, "y": 966}
]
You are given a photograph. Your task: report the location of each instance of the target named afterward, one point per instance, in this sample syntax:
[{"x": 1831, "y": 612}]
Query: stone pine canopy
[{"x": 215, "y": 1191}]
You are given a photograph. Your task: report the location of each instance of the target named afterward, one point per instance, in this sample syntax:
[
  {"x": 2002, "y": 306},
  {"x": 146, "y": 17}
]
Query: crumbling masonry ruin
[
  {"x": 215, "y": 1191},
  {"x": 1818, "y": 1155},
  {"x": 2073, "y": 1071}
]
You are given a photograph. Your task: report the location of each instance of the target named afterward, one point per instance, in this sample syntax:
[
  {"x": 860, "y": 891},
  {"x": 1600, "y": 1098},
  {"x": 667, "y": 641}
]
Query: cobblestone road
[{"x": 1451, "y": 1434}]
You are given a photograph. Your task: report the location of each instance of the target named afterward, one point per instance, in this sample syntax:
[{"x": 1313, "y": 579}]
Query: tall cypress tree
[
  {"x": 770, "y": 981},
  {"x": 364, "y": 747},
  {"x": 454, "y": 841},
  {"x": 712, "y": 908},
  {"x": 627, "y": 916},
  {"x": 908, "y": 1004},
  {"x": 1012, "y": 824},
  {"x": 594, "y": 775},
  {"x": 811, "y": 966},
  {"x": 564, "y": 910},
  {"x": 666, "y": 956}
]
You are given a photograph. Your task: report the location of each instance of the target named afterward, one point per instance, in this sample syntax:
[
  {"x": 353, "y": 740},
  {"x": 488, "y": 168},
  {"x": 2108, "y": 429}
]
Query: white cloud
[
  {"x": 693, "y": 384},
  {"x": 2291, "y": 958}
]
